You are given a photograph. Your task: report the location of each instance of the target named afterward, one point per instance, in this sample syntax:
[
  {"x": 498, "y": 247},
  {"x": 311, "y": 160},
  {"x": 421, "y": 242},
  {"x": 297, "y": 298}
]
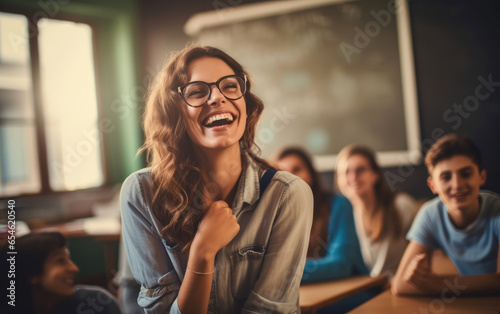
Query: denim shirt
[{"x": 259, "y": 271}]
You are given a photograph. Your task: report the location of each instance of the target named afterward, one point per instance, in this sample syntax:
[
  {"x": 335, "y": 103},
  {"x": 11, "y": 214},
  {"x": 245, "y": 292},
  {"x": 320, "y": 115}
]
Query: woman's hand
[{"x": 217, "y": 228}]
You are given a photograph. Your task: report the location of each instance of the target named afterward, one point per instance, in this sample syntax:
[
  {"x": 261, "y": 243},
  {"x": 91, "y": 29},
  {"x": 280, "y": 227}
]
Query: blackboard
[{"x": 330, "y": 73}]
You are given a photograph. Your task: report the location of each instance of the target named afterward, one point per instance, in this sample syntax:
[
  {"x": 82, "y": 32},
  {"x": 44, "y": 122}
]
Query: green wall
[{"x": 120, "y": 93}]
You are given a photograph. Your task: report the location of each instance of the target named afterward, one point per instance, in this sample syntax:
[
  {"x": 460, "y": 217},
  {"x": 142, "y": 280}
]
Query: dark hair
[
  {"x": 176, "y": 174},
  {"x": 321, "y": 213},
  {"x": 452, "y": 145},
  {"x": 317, "y": 184},
  {"x": 32, "y": 251}
]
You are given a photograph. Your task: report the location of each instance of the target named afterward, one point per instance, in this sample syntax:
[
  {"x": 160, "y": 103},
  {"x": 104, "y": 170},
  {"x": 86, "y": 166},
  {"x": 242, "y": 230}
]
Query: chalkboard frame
[{"x": 228, "y": 14}]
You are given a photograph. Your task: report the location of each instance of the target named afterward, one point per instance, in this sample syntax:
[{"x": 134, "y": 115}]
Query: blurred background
[{"x": 74, "y": 74}]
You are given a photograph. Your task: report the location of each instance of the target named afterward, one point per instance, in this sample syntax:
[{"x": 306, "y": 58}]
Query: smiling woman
[
  {"x": 221, "y": 122},
  {"x": 209, "y": 220}
]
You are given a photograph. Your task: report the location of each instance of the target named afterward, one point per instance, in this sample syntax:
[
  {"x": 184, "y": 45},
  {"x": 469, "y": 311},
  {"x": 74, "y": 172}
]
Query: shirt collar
[{"x": 248, "y": 186}]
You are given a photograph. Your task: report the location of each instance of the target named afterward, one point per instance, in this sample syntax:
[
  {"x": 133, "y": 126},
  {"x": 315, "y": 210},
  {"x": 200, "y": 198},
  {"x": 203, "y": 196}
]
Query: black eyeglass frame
[{"x": 180, "y": 88}]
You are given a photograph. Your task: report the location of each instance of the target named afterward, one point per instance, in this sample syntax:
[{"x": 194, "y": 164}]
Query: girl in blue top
[{"x": 333, "y": 250}]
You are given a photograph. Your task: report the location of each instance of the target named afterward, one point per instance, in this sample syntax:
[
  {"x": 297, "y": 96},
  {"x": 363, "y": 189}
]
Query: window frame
[{"x": 33, "y": 17}]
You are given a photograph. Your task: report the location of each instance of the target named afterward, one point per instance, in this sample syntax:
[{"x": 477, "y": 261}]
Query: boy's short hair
[{"x": 452, "y": 145}]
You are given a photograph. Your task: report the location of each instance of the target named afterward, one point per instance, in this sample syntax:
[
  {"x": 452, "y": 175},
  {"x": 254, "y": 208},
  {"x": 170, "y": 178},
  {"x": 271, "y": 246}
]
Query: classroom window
[{"x": 48, "y": 107}]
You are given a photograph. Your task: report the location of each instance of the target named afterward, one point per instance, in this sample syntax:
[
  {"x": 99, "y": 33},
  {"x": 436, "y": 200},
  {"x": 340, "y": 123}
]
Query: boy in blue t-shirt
[{"x": 463, "y": 221}]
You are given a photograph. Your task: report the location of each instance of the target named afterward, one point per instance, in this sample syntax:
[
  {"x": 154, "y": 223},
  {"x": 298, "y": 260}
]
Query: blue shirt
[
  {"x": 473, "y": 250},
  {"x": 258, "y": 271},
  {"x": 343, "y": 254}
]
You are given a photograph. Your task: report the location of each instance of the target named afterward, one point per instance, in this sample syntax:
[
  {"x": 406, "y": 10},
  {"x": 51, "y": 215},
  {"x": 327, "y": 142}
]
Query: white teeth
[{"x": 217, "y": 117}]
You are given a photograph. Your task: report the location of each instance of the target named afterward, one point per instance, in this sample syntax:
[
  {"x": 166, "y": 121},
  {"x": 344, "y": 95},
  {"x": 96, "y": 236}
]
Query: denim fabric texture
[{"x": 259, "y": 271}]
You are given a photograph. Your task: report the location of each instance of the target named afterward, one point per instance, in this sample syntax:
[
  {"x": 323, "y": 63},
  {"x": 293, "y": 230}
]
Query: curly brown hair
[{"x": 176, "y": 174}]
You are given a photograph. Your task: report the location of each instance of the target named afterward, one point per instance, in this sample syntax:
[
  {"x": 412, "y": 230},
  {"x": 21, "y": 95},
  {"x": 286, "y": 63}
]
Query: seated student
[
  {"x": 381, "y": 216},
  {"x": 333, "y": 250},
  {"x": 462, "y": 221},
  {"x": 43, "y": 281}
]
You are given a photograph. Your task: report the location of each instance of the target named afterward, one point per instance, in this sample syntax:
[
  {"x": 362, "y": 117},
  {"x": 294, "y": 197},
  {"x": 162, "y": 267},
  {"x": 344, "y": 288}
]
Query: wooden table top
[
  {"x": 386, "y": 303},
  {"x": 315, "y": 296}
]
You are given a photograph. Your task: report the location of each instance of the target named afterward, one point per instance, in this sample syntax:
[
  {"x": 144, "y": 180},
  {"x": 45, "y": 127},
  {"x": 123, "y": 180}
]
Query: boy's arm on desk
[{"x": 414, "y": 276}]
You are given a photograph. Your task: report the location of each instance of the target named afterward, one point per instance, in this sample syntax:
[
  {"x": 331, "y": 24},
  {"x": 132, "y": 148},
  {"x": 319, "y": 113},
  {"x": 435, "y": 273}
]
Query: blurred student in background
[
  {"x": 44, "y": 274},
  {"x": 333, "y": 245},
  {"x": 381, "y": 217}
]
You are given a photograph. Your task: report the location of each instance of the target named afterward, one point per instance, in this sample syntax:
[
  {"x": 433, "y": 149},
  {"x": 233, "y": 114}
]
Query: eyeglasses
[{"x": 197, "y": 93}]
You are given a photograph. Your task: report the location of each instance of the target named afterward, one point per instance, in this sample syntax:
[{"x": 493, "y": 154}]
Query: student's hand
[
  {"x": 419, "y": 273},
  {"x": 217, "y": 228}
]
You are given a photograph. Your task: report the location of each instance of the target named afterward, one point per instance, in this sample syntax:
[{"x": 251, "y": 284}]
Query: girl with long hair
[
  {"x": 381, "y": 216},
  {"x": 333, "y": 250},
  {"x": 209, "y": 226}
]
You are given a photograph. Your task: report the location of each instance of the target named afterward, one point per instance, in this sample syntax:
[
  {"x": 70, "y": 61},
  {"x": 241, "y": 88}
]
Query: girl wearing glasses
[
  {"x": 209, "y": 226},
  {"x": 381, "y": 217}
]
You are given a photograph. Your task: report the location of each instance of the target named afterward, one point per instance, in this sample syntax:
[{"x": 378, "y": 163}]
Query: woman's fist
[{"x": 217, "y": 228}]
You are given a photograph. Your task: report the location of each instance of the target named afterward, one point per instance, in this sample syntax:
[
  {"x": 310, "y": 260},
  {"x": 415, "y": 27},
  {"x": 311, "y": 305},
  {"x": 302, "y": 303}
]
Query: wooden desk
[
  {"x": 313, "y": 297},
  {"x": 386, "y": 303}
]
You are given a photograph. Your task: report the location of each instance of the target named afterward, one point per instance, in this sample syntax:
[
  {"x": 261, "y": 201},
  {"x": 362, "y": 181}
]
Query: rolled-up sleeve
[
  {"x": 147, "y": 256},
  {"x": 277, "y": 288}
]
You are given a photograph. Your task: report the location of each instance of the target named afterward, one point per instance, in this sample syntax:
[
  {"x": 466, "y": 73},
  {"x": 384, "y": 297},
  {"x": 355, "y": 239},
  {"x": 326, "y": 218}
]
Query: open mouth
[{"x": 218, "y": 120}]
